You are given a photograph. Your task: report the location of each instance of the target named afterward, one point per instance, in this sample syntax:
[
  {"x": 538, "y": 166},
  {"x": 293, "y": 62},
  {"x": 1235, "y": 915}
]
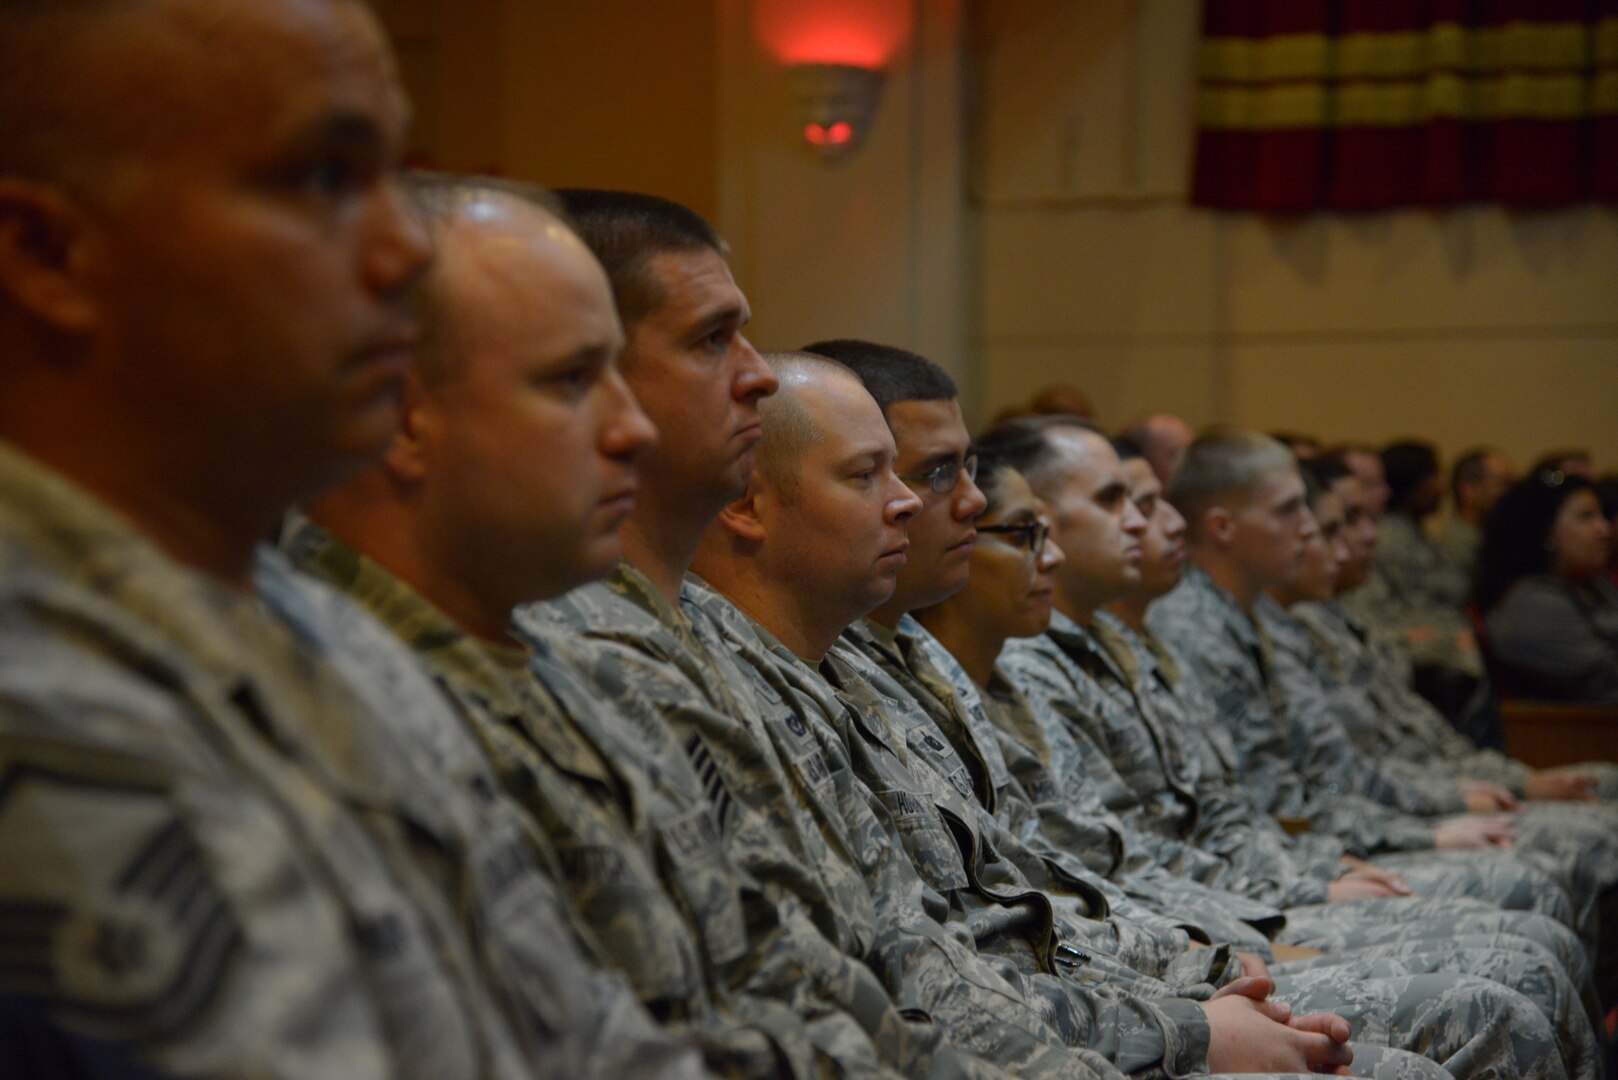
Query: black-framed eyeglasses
[
  {"x": 1026, "y": 536},
  {"x": 940, "y": 479}
]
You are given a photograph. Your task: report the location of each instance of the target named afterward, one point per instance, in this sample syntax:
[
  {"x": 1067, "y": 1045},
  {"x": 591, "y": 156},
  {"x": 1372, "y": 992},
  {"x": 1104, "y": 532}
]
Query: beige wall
[
  {"x": 1466, "y": 326},
  {"x": 870, "y": 247},
  {"x": 609, "y": 93},
  {"x": 1019, "y": 214}
]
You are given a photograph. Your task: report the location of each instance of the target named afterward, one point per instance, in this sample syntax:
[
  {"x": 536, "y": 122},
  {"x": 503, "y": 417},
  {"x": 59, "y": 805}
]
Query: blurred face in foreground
[{"x": 238, "y": 257}]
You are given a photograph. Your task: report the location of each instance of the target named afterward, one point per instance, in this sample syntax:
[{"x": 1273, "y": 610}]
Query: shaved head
[
  {"x": 82, "y": 81},
  {"x": 790, "y": 428}
]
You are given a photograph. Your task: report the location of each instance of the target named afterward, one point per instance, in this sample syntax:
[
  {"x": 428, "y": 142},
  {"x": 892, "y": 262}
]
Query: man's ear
[
  {"x": 407, "y": 456},
  {"x": 742, "y": 518},
  {"x": 47, "y": 255},
  {"x": 1219, "y": 525}
]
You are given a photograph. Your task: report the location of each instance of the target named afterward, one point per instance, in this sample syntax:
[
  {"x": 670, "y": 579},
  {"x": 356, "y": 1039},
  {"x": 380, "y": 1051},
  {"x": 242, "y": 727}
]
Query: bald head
[
  {"x": 465, "y": 217},
  {"x": 86, "y": 83},
  {"x": 790, "y": 424}
]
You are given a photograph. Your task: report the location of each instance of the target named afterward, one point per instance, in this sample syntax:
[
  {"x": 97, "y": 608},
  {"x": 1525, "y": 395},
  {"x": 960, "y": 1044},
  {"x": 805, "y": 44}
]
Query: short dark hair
[
  {"x": 1128, "y": 449},
  {"x": 1328, "y": 470},
  {"x": 1220, "y": 467},
  {"x": 891, "y": 374},
  {"x": 1406, "y": 464},
  {"x": 1515, "y": 532},
  {"x": 626, "y": 230}
]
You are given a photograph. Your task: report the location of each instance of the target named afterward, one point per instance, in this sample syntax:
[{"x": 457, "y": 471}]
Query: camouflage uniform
[
  {"x": 1414, "y": 584},
  {"x": 1234, "y": 664},
  {"x": 741, "y": 718},
  {"x": 1090, "y": 710},
  {"x": 1383, "y": 997},
  {"x": 216, "y": 853},
  {"x": 1074, "y": 832},
  {"x": 1387, "y": 719},
  {"x": 1576, "y": 846},
  {"x": 825, "y": 842},
  {"x": 635, "y": 837},
  {"x": 1460, "y": 541},
  {"x": 1225, "y": 820}
]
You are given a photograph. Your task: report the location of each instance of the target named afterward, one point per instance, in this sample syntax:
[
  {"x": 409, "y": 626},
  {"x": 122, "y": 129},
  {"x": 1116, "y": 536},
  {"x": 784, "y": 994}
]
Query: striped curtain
[{"x": 1366, "y": 104}]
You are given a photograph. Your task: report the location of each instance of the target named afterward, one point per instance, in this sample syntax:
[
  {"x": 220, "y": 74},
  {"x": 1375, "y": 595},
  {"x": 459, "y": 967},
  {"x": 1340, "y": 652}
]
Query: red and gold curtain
[{"x": 1366, "y": 104}]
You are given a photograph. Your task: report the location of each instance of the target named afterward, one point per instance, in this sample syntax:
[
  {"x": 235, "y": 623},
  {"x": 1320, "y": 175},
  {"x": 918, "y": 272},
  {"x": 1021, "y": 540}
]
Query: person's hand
[
  {"x": 1483, "y": 797},
  {"x": 1352, "y": 886},
  {"x": 1472, "y": 833},
  {"x": 1566, "y": 785},
  {"x": 1285, "y": 954},
  {"x": 1249, "y": 1033},
  {"x": 1253, "y": 965},
  {"x": 1391, "y": 878},
  {"x": 1420, "y": 635}
]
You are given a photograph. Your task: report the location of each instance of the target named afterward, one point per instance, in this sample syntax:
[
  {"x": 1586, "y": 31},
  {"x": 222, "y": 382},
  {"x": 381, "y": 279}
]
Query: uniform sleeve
[{"x": 155, "y": 902}]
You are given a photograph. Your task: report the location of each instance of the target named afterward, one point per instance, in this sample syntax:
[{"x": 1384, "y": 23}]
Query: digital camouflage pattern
[
  {"x": 1187, "y": 718},
  {"x": 1399, "y": 995},
  {"x": 823, "y": 840},
  {"x": 1106, "y": 724},
  {"x": 634, "y": 835},
  {"x": 1321, "y": 748},
  {"x": 1576, "y": 845},
  {"x": 1398, "y": 727},
  {"x": 221, "y": 856},
  {"x": 1230, "y": 660},
  {"x": 1058, "y": 824},
  {"x": 1414, "y": 584},
  {"x": 1370, "y": 939},
  {"x": 1235, "y": 665}
]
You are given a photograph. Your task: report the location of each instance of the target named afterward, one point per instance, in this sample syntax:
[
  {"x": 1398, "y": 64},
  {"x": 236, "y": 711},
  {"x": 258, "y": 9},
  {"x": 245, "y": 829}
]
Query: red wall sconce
[{"x": 835, "y": 52}]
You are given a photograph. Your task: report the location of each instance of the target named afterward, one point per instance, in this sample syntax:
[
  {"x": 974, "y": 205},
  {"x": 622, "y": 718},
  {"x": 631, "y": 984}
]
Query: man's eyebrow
[
  {"x": 874, "y": 456},
  {"x": 1110, "y": 493},
  {"x": 341, "y": 127},
  {"x": 942, "y": 457},
  {"x": 729, "y": 315},
  {"x": 597, "y": 352}
]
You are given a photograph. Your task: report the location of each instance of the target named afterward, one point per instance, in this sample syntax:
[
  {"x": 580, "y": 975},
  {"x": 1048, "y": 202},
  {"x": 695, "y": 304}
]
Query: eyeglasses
[
  {"x": 1028, "y": 536},
  {"x": 1551, "y": 478},
  {"x": 940, "y": 479}
]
